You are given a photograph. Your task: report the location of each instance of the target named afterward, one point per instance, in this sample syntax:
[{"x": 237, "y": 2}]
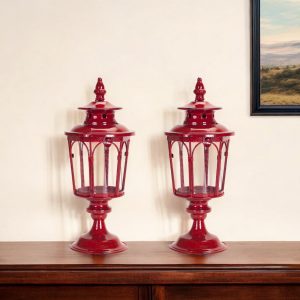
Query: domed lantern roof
[
  {"x": 100, "y": 120},
  {"x": 199, "y": 119}
]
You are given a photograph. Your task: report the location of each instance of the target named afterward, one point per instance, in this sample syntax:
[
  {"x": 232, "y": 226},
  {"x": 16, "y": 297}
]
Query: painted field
[{"x": 280, "y": 85}]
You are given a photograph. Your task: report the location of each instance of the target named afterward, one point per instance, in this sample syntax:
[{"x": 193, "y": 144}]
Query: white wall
[{"x": 149, "y": 53}]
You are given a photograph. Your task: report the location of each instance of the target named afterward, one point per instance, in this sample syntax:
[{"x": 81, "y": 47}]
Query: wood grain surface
[{"x": 149, "y": 270}]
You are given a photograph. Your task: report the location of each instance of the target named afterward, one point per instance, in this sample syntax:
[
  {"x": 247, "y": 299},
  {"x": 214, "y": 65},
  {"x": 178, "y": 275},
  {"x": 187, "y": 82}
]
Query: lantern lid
[
  {"x": 100, "y": 119},
  {"x": 200, "y": 119}
]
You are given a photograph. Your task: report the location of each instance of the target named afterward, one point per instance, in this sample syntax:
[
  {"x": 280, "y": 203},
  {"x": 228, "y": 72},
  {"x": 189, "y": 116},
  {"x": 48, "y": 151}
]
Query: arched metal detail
[
  {"x": 203, "y": 143},
  {"x": 214, "y": 144},
  {"x": 93, "y": 149},
  {"x": 105, "y": 143},
  {"x": 183, "y": 144},
  {"x": 80, "y": 142},
  {"x": 116, "y": 146}
]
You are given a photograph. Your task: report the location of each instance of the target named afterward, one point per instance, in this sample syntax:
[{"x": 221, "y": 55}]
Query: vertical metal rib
[
  {"x": 217, "y": 187},
  {"x": 106, "y": 166},
  {"x": 171, "y": 165},
  {"x": 119, "y": 167},
  {"x": 180, "y": 144},
  {"x": 225, "y": 165},
  {"x": 91, "y": 168},
  {"x": 191, "y": 169},
  {"x": 81, "y": 163},
  {"x": 71, "y": 162},
  {"x": 206, "y": 159},
  {"x": 125, "y": 165}
]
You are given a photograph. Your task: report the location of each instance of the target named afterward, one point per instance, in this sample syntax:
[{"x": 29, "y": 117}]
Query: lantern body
[
  {"x": 198, "y": 153},
  {"x": 98, "y": 152}
]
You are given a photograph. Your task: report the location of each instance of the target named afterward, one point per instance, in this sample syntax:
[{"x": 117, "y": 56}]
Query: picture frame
[{"x": 258, "y": 86}]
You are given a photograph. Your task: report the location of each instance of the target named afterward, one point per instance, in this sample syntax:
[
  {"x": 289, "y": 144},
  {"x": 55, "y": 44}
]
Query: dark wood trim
[
  {"x": 150, "y": 277},
  {"x": 255, "y": 57}
]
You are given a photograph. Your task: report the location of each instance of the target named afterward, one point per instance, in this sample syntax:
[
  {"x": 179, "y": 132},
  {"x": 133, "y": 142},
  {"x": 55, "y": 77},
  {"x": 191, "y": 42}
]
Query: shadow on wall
[
  {"x": 61, "y": 197},
  {"x": 169, "y": 207}
]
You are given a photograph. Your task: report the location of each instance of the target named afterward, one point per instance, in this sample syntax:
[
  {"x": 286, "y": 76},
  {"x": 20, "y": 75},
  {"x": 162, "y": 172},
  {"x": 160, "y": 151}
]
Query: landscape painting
[{"x": 276, "y": 57}]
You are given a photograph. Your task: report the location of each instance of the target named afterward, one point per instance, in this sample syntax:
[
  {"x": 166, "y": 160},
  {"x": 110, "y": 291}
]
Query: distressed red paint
[
  {"x": 201, "y": 163},
  {"x": 101, "y": 143}
]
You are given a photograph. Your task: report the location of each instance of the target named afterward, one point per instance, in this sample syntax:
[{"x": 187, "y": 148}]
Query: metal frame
[
  {"x": 256, "y": 108},
  {"x": 99, "y": 128}
]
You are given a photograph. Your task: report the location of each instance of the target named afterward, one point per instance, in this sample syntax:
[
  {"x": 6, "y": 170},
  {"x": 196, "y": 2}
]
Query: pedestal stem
[
  {"x": 98, "y": 226},
  {"x": 99, "y": 210},
  {"x": 198, "y": 226},
  {"x": 198, "y": 210}
]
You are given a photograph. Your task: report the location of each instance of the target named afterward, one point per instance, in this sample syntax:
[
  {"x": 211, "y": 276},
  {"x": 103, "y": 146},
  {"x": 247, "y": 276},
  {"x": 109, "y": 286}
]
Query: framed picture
[{"x": 275, "y": 57}]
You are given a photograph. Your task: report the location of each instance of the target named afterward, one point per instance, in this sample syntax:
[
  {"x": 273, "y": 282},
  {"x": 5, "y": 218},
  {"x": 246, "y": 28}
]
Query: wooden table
[{"x": 149, "y": 270}]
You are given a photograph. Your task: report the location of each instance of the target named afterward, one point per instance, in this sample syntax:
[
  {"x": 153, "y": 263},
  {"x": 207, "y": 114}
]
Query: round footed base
[
  {"x": 198, "y": 245},
  {"x": 104, "y": 244}
]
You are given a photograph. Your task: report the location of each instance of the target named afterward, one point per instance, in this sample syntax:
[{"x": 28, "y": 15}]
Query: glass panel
[
  {"x": 204, "y": 167},
  {"x": 180, "y": 167},
  {"x": 224, "y": 165},
  {"x": 80, "y": 162},
  {"x": 100, "y": 174},
  {"x": 123, "y": 170},
  {"x": 105, "y": 168},
  {"x": 200, "y": 172}
]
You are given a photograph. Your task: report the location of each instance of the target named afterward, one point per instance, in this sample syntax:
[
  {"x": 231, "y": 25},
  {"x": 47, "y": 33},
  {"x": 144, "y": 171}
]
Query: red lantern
[
  {"x": 98, "y": 155},
  {"x": 198, "y": 152}
]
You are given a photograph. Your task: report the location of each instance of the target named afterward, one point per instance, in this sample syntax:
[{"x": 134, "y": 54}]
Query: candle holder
[
  {"x": 198, "y": 153},
  {"x": 98, "y": 152}
]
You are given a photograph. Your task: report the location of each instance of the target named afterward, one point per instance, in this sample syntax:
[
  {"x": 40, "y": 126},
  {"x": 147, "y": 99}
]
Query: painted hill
[
  {"x": 280, "y": 54},
  {"x": 280, "y": 85},
  {"x": 280, "y": 59}
]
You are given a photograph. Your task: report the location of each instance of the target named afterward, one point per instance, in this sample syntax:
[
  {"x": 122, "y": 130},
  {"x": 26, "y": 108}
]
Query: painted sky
[
  {"x": 280, "y": 21},
  {"x": 280, "y": 32}
]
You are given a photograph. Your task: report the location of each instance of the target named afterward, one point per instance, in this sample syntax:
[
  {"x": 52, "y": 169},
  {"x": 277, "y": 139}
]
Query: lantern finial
[
  {"x": 99, "y": 90},
  {"x": 199, "y": 90}
]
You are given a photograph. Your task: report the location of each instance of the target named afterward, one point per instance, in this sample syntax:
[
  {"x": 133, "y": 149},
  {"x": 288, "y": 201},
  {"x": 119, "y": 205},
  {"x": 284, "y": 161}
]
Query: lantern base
[
  {"x": 102, "y": 244},
  {"x": 98, "y": 240},
  {"x": 198, "y": 245},
  {"x": 198, "y": 240}
]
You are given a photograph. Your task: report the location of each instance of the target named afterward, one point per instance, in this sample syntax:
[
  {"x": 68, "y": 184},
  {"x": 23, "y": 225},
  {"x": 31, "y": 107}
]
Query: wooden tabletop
[
  {"x": 148, "y": 260},
  {"x": 24, "y": 254}
]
